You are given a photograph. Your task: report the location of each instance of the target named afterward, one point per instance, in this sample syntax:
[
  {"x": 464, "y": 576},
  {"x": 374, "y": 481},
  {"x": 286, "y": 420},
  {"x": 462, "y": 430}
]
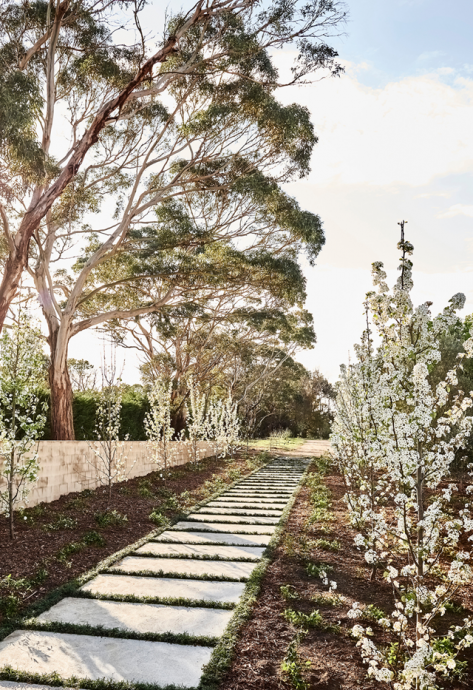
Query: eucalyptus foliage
[{"x": 170, "y": 175}]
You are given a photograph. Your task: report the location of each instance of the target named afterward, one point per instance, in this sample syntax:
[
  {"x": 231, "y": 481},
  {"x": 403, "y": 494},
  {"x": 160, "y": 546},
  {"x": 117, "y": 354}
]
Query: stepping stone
[
  {"x": 213, "y": 538},
  {"x": 235, "y": 570},
  {"x": 266, "y": 487},
  {"x": 162, "y": 587},
  {"x": 94, "y": 658},
  {"x": 205, "y": 550},
  {"x": 220, "y": 510},
  {"x": 251, "y": 505},
  {"x": 207, "y": 517},
  {"x": 223, "y": 527},
  {"x": 242, "y": 493},
  {"x": 140, "y": 618}
]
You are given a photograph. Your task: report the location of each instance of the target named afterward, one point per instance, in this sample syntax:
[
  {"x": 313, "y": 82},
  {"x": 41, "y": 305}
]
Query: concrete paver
[
  {"x": 225, "y": 510},
  {"x": 223, "y": 527},
  {"x": 91, "y": 657},
  {"x": 139, "y": 618},
  {"x": 202, "y": 551},
  {"x": 214, "y": 537},
  {"x": 164, "y": 587},
  {"x": 239, "y": 519},
  {"x": 231, "y": 569}
]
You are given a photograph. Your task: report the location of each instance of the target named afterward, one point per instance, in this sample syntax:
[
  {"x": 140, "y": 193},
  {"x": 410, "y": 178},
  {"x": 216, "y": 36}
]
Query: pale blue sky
[
  {"x": 395, "y": 143},
  {"x": 398, "y": 38}
]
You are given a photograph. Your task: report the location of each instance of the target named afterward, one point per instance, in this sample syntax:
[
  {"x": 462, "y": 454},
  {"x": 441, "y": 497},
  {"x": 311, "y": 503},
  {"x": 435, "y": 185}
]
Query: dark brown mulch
[
  {"x": 335, "y": 662},
  {"x": 35, "y": 548}
]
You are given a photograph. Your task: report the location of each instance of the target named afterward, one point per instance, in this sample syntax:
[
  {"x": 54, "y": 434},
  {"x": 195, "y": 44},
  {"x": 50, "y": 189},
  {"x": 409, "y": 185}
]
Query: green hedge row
[{"x": 134, "y": 407}]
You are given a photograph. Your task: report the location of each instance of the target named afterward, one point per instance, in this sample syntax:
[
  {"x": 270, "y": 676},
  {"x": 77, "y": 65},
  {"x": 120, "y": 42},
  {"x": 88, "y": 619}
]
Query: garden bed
[
  {"x": 326, "y": 657},
  {"x": 57, "y": 541}
]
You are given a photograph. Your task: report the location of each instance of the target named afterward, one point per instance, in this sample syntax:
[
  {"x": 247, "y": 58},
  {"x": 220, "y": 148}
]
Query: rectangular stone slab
[
  {"x": 206, "y": 550},
  {"x": 214, "y": 537},
  {"x": 185, "y": 566},
  {"x": 251, "y": 504},
  {"x": 163, "y": 587},
  {"x": 207, "y": 517},
  {"x": 257, "y": 492},
  {"x": 266, "y": 487},
  {"x": 140, "y": 618},
  {"x": 223, "y": 527},
  {"x": 269, "y": 480},
  {"x": 226, "y": 510},
  {"x": 85, "y": 656}
]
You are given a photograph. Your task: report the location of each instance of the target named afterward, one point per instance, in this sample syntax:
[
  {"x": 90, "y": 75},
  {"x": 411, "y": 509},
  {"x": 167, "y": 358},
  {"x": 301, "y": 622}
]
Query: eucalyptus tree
[
  {"x": 201, "y": 338},
  {"x": 127, "y": 154},
  {"x": 61, "y": 64},
  {"x": 182, "y": 249}
]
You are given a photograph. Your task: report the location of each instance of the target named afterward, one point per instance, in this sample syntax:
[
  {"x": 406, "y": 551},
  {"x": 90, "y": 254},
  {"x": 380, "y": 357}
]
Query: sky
[{"x": 395, "y": 143}]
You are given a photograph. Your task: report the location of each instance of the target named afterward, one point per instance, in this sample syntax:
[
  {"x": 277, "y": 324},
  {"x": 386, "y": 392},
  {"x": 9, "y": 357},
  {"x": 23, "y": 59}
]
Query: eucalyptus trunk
[{"x": 62, "y": 418}]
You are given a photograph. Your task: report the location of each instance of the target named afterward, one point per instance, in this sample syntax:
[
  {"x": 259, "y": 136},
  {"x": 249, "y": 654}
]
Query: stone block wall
[{"x": 67, "y": 466}]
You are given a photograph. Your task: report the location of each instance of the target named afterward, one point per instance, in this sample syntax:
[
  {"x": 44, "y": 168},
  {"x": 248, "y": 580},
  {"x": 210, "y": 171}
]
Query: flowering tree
[
  {"x": 197, "y": 420},
  {"x": 396, "y": 426},
  {"x": 109, "y": 451},
  {"x": 357, "y": 447},
  {"x": 230, "y": 425},
  {"x": 158, "y": 424},
  {"x": 22, "y": 415},
  {"x": 223, "y": 426}
]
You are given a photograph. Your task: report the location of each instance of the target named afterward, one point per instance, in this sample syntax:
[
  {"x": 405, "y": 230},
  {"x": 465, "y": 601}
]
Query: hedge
[{"x": 134, "y": 407}]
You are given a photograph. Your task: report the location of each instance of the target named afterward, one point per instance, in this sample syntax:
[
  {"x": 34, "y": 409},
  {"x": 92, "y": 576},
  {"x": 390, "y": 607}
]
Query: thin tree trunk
[
  {"x": 10, "y": 494},
  {"x": 420, "y": 536}
]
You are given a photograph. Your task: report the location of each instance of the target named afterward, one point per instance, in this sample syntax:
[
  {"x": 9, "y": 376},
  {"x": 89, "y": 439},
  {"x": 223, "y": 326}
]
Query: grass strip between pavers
[
  {"x": 256, "y": 501},
  {"x": 201, "y": 557},
  {"x": 242, "y": 512},
  {"x": 220, "y": 520},
  {"x": 191, "y": 528},
  {"x": 123, "y": 634},
  {"x": 223, "y": 652},
  {"x": 57, "y": 681},
  {"x": 213, "y": 543},
  {"x": 167, "y": 601},
  {"x": 174, "y": 576},
  {"x": 72, "y": 588}
]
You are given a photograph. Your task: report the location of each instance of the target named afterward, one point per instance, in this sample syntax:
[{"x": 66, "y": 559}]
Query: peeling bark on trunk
[{"x": 62, "y": 419}]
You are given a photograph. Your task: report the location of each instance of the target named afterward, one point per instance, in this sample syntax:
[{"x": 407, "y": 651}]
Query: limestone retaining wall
[{"x": 67, "y": 466}]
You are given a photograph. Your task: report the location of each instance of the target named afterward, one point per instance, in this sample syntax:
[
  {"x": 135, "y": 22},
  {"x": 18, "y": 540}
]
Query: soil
[
  {"x": 34, "y": 558},
  {"x": 335, "y": 662}
]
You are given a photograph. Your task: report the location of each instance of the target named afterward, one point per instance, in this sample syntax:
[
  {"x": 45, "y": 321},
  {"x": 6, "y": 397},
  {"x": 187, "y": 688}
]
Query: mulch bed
[
  {"x": 33, "y": 555},
  {"x": 335, "y": 662}
]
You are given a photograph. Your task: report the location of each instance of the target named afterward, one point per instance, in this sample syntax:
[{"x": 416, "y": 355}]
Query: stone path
[{"x": 181, "y": 586}]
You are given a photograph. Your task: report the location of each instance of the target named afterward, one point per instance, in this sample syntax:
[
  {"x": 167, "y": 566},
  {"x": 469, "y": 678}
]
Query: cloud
[
  {"x": 430, "y": 55},
  {"x": 407, "y": 132},
  {"x": 458, "y": 210}
]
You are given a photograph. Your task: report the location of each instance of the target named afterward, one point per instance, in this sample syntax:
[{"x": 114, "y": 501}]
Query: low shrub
[
  {"x": 110, "y": 518},
  {"x": 62, "y": 522}
]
